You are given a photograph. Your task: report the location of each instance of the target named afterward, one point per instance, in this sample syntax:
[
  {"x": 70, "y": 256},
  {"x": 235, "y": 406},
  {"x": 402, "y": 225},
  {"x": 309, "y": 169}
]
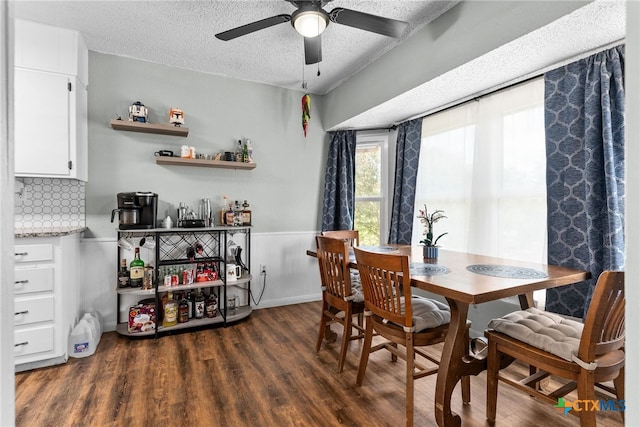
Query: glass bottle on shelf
[
  {"x": 190, "y": 304},
  {"x": 183, "y": 310},
  {"x": 246, "y": 214},
  {"x": 228, "y": 216},
  {"x": 123, "y": 274},
  {"x": 199, "y": 305},
  {"x": 223, "y": 211},
  {"x": 211, "y": 307},
  {"x": 136, "y": 270},
  {"x": 170, "y": 311},
  {"x": 237, "y": 214}
]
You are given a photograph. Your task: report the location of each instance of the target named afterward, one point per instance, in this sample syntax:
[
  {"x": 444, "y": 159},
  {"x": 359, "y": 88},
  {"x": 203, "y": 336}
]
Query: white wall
[{"x": 284, "y": 190}]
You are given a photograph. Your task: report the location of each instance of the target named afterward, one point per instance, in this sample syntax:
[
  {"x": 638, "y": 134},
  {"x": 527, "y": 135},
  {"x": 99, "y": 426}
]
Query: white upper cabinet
[
  {"x": 50, "y": 102},
  {"x": 46, "y": 48}
]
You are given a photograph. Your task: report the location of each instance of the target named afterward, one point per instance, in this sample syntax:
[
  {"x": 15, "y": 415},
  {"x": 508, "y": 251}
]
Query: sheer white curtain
[{"x": 483, "y": 163}]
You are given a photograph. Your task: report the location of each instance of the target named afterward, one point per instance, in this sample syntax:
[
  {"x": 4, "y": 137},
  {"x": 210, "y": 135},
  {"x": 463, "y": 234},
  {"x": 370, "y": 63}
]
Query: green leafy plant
[{"x": 428, "y": 219}]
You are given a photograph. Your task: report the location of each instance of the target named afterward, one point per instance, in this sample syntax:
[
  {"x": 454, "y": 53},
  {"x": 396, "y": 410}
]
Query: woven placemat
[
  {"x": 422, "y": 269},
  {"x": 507, "y": 271}
]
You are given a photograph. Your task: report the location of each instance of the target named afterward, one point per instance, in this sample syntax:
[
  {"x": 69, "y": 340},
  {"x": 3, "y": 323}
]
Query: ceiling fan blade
[
  {"x": 312, "y": 50},
  {"x": 364, "y": 21},
  {"x": 252, "y": 27}
]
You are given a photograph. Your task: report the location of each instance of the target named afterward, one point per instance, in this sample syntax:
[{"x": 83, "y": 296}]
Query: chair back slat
[
  {"x": 604, "y": 324},
  {"x": 351, "y": 236},
  {"x": 333, "y": 260},
  {"x": 382, "y": 277}
]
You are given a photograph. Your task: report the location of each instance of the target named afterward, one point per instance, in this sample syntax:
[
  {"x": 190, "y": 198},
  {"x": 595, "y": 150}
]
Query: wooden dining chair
[
  {"x": 586, "y": 353},
  {"x": 339, "y": 302},
  {"x": 400, "y": 319},
  {"x": 351, "y": 236}
]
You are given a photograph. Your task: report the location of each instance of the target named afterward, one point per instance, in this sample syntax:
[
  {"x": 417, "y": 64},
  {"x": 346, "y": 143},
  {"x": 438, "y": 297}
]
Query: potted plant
[{"x": 430, "y": 249}]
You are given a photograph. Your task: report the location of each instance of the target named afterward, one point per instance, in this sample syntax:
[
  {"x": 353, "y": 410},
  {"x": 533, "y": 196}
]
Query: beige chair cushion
[
  {"x": 356, "y": 287},
  {"x": 550, "y": 332},
  {"x": 428, "y": 313}
]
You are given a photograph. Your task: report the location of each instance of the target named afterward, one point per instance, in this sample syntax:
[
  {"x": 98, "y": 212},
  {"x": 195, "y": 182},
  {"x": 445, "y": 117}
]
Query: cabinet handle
[
  {"x": 21, "y": 253},
  {"x": 21, "y": 312},
  {"x": 21, "y": 344},
  {"x": 21, "y": 282}
]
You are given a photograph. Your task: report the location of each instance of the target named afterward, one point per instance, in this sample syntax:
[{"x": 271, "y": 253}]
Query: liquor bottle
[
  {"x": 246, "y": 214},
  {"x": 245, "y": 153},
  {"x": 183, "y": 311},
  {"x": 170, "y": 311},
  {"x": 136, "y": 270},
  {"x": 239, "y": 151},
  {"x": 123, "y": 274},
  {"x": 223, "y": 211},
  {"x": 249, "y": 150},
  {"x": 190, "y": 304},
  {"x": 228, "y": 216},
  {"x": 211, "y": 307},
  {"x": 237, "y": 214},
  {"x": 198, "y": 307}
]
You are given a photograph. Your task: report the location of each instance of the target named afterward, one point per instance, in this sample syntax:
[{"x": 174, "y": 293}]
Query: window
[
  {"x": 483, "y": 163},
  {"x": 371, "y": 187}
]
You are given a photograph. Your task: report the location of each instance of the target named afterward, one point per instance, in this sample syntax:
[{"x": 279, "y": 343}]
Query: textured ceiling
[{"x": 181, "y": 33}]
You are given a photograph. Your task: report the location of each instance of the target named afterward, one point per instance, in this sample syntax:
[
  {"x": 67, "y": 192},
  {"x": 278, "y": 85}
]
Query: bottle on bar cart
[{"x": 136, "y": 270}]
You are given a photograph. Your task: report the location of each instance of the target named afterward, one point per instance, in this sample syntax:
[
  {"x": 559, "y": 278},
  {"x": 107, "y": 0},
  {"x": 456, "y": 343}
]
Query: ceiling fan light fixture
[{"x": 310, "y": 23}]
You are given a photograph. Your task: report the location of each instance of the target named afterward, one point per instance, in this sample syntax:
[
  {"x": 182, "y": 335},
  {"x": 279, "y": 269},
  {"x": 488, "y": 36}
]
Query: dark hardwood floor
[{"x": 262, "y": 371}]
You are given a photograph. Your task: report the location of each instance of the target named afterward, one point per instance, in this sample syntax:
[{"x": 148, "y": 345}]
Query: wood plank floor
[{"x": 262, "y": 371}]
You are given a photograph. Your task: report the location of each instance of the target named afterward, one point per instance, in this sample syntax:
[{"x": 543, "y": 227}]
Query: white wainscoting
[{"x": 292, "y": 276}]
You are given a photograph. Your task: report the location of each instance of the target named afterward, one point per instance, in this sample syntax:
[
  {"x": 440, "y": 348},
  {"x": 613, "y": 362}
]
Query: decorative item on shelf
[
  {"x": 176, "y": 117},
  {"x": 430, "y": 249},
  {"x": 187, "y": 152},
  {"x": 163, "y": 153},
  {"x": 138, "y": 113},
  {"x": 306, "y": 112}
]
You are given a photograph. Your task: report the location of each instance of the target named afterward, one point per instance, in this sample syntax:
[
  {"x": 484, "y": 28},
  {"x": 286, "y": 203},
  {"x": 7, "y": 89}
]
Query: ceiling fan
[{"x": 310, "y": 20}]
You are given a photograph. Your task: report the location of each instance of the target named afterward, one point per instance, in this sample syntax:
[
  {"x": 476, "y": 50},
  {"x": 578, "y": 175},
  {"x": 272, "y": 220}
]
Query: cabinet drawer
[
  {"x": 33, "y": 253},
  {"x": 29, "y": 280},
  {"x": 31, "y": 341},
  {"x": 32, "y": 310}
]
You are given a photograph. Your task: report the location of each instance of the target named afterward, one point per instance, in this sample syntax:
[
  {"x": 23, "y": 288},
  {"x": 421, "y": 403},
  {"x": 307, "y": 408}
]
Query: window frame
[{"x": 378, "y": 138}]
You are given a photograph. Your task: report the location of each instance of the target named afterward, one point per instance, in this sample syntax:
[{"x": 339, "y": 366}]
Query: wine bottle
[
  {"x": 123, "y": 274},
  {"x": 136, "y": 270}
]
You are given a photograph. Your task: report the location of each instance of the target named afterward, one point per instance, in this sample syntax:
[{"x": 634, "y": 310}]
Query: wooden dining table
[{"x": 464, "y": 279}]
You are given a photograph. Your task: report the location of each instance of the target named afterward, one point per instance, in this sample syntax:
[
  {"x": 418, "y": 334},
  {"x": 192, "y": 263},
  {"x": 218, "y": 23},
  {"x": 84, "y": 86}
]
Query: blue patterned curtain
[
  {"x": 404, "y": 191},
  {"x": 339, "y": 182},
  {"x": 584, "y": 121}
]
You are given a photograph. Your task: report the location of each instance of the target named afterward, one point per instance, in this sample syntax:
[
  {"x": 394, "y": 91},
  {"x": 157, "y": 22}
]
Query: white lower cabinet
[{"x": 45, "y": 299}]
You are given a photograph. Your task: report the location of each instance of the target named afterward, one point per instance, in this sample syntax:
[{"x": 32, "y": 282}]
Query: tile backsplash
[{"x": 49, "y": 202}]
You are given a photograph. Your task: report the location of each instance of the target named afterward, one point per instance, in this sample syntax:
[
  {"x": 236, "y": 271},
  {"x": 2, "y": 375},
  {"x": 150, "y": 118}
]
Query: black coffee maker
[{"x": 136, "y": 210}]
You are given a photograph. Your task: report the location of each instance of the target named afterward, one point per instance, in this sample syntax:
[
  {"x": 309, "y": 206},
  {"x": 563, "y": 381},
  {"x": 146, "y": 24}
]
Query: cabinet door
[
  {"x": 79, "y": 132},
  {"x": 41, "y": 123}
]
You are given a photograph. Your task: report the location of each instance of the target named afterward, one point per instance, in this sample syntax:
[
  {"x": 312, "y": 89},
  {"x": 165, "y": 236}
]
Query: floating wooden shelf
[
  {"x": 157, "y": 128},
  {"x": 179, "y": 161}
]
